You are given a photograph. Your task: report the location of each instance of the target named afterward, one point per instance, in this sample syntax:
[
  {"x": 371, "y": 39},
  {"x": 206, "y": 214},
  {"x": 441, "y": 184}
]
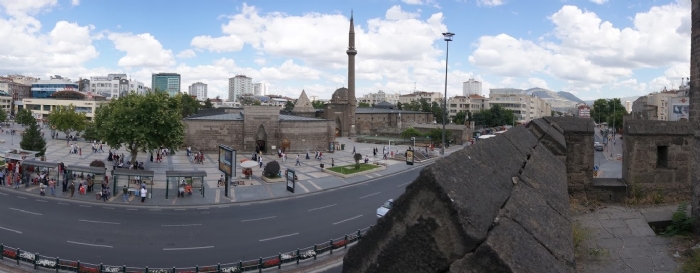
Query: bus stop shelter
[
  {"x": 131, "y": 178},
  {"x": 193, "y": 178},
  {"x": 49, "y": 169},
  {"x": 98, "y": 173}
]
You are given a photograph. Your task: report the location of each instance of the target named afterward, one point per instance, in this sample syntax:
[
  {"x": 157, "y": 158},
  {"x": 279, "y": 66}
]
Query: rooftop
[
  {"x": 298, "y": 118},
  {"x": 364, "y": 110},
  {"x": 226, "y": 116}
]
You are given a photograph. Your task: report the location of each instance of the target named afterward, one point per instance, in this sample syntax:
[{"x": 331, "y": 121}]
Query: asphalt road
[
  {"x": 184, "y": 237},
  {"x": 608, "y": 168}
]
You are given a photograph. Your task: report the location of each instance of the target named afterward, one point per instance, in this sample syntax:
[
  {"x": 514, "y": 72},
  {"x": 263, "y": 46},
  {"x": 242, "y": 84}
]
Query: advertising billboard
[
  {"x": 679, "y": 112},
  {"x": 290, "y": 180},
  {"x": 226, "y": 157},
  {"x": 409, "y": 157}
]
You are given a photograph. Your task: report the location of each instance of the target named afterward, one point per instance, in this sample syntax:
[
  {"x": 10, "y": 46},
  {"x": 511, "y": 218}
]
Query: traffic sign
[{"x": 595, "y": 168}]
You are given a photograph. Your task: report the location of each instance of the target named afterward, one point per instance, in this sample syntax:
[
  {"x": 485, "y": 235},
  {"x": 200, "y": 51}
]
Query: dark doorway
[
  {"x": 261, "y": 140},
  {"x": 338, "y": 127}
]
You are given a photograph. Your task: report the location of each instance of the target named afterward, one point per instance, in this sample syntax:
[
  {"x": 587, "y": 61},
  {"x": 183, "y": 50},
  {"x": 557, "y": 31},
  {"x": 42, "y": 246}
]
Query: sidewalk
[{"x": 311, "y": 177}]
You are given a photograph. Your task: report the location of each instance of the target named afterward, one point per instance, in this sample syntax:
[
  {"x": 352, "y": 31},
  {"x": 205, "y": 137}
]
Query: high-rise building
[
  {"x": 166, "y": 82},
  {"x": 198, "y": 89},
  {"x": 525, "y": 107},
  {"x": 471, "y": 87},
  {"x": 260, "y": 89},
  {"x": 114, "y": 86},
  {"x": 46, "y": 88},
  {"x": 239, "y": 85},
  {"x": 628, "y": 106},
  {"x": 375, "y": 98}
]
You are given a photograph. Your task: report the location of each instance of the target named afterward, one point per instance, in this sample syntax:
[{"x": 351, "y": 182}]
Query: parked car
[
  {"x": 599, "y": 147},
  {"x": 381, "y": 211}
]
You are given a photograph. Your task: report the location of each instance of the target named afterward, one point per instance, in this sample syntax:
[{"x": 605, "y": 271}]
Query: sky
[{"x": 591, "y": 48}]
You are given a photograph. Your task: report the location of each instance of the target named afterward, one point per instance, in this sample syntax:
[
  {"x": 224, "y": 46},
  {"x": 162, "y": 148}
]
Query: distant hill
[{"x": 561, "y": 99}]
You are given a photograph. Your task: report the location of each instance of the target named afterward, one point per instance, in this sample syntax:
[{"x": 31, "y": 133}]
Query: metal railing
[{"x": 293, "y": 257}]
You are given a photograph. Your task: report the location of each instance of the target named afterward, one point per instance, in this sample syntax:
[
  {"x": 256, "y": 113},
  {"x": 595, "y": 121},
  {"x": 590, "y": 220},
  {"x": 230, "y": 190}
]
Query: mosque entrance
[
  {"x": 338, "y": 127},
  {"x": 261, "y": 140}
]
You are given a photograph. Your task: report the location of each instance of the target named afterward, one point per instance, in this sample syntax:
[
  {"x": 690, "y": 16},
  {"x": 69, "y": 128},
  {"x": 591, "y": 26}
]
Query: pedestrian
[
  {"x": 353, "y": 149},
  {"x": 221, "y": 181},
  {"x": 72, "y": 189},
  {"x": 260, "y": 161},
  {"x": 144, "y": 192},
  {"x": 181, "y": 190},
  {"x": 332, "y": 162},
  {"x": 42, "y": 189},
  {"x": 307, "y": 155},
  {"x": 104, "y": 194},
  {"x": 298, "y": 162},
  {"x": 52, "y": 186},
  {"x": 125, "y": 194}
]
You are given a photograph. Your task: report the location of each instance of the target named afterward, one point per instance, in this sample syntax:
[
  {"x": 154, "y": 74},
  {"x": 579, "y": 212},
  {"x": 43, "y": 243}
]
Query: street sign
[{"x": 595, "y": 168}]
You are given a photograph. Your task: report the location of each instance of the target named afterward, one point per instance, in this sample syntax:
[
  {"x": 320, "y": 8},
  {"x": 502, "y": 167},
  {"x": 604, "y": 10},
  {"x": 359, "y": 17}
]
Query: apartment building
[
  {"x": 525, "y": 107},
  {"x": 198, "y": 90},
  {"x": 583, "y": 111},
  {"x": 471, "y": 103},
  {"x": 430, "y": 97},
  {"x": 46, "y": 88},
  {"x": 660, "y": 106},
  {"x": 380, "y": 96},
  {"x": 238, "y": 86},
  {"x": 113, "y": 86},
  {"x": 260, "y": 89},
  {"x": 471, "y": 87},
  {"x": 83, "y": 102},
  {"x": 166, "y": 82}
]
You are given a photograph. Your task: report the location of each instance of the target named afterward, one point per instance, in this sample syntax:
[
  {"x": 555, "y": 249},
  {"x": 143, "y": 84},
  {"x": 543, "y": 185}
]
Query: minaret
[{"x": 351, "y": 75}]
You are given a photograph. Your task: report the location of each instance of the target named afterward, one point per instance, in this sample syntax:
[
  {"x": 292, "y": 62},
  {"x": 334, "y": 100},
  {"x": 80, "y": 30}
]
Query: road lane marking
[
  {"x": 38, "y": 200},
  {"x": 303, "y": 187},
  {"x": 278, "y": 237},
  {"x": 368, "y": 176},
  {"x": 180, "y": 209},
  {"x": 404, "y": 184},
  {"x": 183, "y": 225},
  {"x": 99, "y": 222},
  {"x": 314, "y": 184},
  {"x": 86, "y": 206},
  {"x": 217, "y": 196},
  {"x": 322, "y": 207},
  {"x": 63, "y": 203},
  {"x": 353, "y": 218},
  {"x": 107, "y": 207},
  {"x": 21, "y": 197},
  {"x": 369, "y": 195},
  {"x": 29, "y": 212},
  {"x": 188, "y": 248},
  {"x": 12, "y": 230},
  {"x": 131, "y": 209},
  {"x": 86, "y": 244},
  {"x": 3, "y": 194},
  {"x": 256, "y": 219}
]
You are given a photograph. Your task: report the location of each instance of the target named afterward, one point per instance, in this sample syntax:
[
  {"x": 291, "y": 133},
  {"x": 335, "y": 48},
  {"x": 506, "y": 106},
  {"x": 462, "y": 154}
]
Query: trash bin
[
  {"x": 342, "y": 146},
  {"x": 321, "y": 165}
]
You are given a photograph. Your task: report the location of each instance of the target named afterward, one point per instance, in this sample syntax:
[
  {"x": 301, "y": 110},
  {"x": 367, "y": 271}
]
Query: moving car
[
  {"x": 598, "y": 147},
  {"x": 381, "y": 211}
]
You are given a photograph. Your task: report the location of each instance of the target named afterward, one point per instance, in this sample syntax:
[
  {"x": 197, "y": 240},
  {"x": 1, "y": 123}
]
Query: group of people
[
  {"x": 97, "y": 147},
  {"x": 198, "y": 156}
]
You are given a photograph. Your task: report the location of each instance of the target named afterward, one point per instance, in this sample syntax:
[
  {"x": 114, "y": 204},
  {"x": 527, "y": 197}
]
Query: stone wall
[
  {"x": 339, "y": 114},
  {"x": 641, "y": 168},
  {"x": 206, "y": 135},
  {"x": 257, "y": 119},
  {"x": 500, "y": 206},
  {"x": 694, "y": 117},
  {"x": 372, "y": 123},
  {"x": 303, "y": 135}
]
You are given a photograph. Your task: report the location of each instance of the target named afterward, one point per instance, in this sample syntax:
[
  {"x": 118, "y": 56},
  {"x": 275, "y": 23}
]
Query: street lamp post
[{"x": 448, "y": 38}]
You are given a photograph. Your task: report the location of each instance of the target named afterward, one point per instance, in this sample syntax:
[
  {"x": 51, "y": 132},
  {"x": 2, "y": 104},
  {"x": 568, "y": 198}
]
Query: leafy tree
[
  {"x": 289, "y": 106},
  {"x": 317, "y": 104},
  {"x": 141, "y": 123},
  {"x": 3, "y": 115},
  {"x": 436, "y": 135},
  {"x": 32, "y": 139},
  {"x": 272, "y": 169},
  {"x": 24, "y": 116},
  {"x": 410, "y": 132},
  {"x": 248, "y": 100},
  {"x": 412, "y": 106},
  {"x": 425, "y": 106},
  {"x": 363, "y": 105},
  {"x": 97, "y": 163},
  {"x": 90, "y": 132},
  {"x": 436, "y": 109},
  {"x": 398, "y": 105},
  {"x": 460, "y": 117},
  {"x": 357, "y": 158},
  {"x": 188, "y": 105},
  {"x": 496, "y": 116},
  {"x": 207, "y": 104},
  {"x": 67, "y": 120}
]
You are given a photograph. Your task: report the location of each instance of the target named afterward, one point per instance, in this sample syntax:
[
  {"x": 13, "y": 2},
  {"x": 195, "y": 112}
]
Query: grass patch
[
  {"x": 581, "y": 250},
  {"x": 350, "y": 169},
  {"x": 692, "y": 264}
]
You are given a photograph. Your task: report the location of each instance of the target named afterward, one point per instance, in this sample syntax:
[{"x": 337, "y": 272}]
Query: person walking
[
  {"x": 52, "y": 187},
  {"x": 144, "y": 193},
  {"x": 353, "y": 149},
  {"x": 125, "y": 194},
  {"x": 72, "y": 189},
  {"x": 298, "y": 162},
  {"x": 332, "y": 162}
]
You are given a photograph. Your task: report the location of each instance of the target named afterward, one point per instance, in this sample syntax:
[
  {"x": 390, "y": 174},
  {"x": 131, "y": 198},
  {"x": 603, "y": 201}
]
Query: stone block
[{"x": 551, "y": 186}]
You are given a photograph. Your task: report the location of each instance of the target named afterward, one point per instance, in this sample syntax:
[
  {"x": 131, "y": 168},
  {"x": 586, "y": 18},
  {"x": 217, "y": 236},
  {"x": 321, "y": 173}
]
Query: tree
[
  {"x": 248, "y": 100},
  {"x": 188, "y": 105},
  {"x": 357, "y": 158},
  {"x": 141, "y": 123},
  {"x": 412, "y": 106},
  {"x": 272, "y": 169},
  {"x": 436, "y": 109},
  {"x": 66, "y": 119},
  {"x": 97, "y": 163},
  {"x": 90, "y": 132},
  {"x": 410, "y": 132},
  {"x": 207, "y": 104},
  {"x": 425, "y": 106},
  {"x": 289, "y": 106},
  {"x": 3, "y": 115},
  {"x": 32, "y": 139},
  {"x": 496, "y": 116},
  {"x": 317, "y": 104},
  {"x": 435, "y": 135},
  {"x": 460, "y": 117},
  {"x": 24, "y": 116},
  {"x": 398, "y": 105},
  {"x": 363, "y": 105}
]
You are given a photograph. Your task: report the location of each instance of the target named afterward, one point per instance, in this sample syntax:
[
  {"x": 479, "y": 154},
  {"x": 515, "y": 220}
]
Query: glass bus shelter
[
  {"x": 78, "y": 173},
  {"x": 47, "y": 170},
  {"x": 132, "y": 179},
  {"x": 192, "y": 178}
]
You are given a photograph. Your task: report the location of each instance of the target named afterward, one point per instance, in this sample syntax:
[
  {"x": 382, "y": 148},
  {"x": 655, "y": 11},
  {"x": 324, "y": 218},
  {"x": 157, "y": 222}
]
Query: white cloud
[
  {"x": 396, "y": 13},
  {"x": 75, "y": 2},
  {"x": 412, "y": 2},
  {"x": 490, "y": 3},
  {"x": 17, "y": 8},
  {"x": 260, "y": 61},
  {"x": 142, "y": 50},
  {"x": 219, "y": 44},
  {"x": 599, "y": 2},
  {"x": 187, "y": 54},
  {"x": 537, "y": 82}
]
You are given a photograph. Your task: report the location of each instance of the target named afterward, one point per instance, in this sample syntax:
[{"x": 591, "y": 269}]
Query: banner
[{"x": 226, "y": 157}]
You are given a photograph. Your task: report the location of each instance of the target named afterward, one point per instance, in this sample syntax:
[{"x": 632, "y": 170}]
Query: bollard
[
  {"x": 346, "y": 241},
  {"x": 240, "y": 266},
  {"x": 2, "y": 250},
  {"x": 77, "y": 268},
  {"x": 57, "y": 265},
  {"x": 146, "y": 270},
  {"x": 279, "y": 257},
  {"x": 315, "y": 251},
  {"x": 260, "y": 265},
  {"x": 36, "y": 257},
  {"x": 123, "y": 268},
  {"x": 173, "y": 269},
  {"x": 218, "y": 268},
  {"x": 297, "y": 256},
  {"x": 17, "y": 256},
  {"x": 196, "y": 269},
  {"x": 101, "y": 268},
  {"x": 359, "y": 235},
  {"x": 330, "y": 246}
]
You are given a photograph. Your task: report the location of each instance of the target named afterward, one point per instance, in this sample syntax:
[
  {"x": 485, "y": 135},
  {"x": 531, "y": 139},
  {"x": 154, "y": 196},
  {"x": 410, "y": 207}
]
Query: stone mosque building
[{"x": 265, "y": 128}]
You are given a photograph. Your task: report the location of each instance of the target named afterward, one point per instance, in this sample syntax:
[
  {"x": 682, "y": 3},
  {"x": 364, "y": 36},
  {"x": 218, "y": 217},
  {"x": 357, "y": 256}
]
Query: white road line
[
  {"x": 322, "y": 207},
  {"x": 86, "y": 244},
  {"x": 369, "y": 195},
  {"x": 15, "y": 231},
  {"x": 86, "y": 206},
  {"x": 404, "y": 184},
  {"x": 62, "y": 203},
  {"x": 107, "y": 207},
  {"x": 180, "y": 209},
  {"x": 21, "y": 197},
  {"x": 217, "y": 196},
  {"x": 314, "y": 184},
  {"x": 99, "y": 222},
  {"x": 232, "y": 195},
  {"x": 303, "y": 187},
  {"x": 38, "y": 200},
  {"x": 353, "y": 218},
  {"x": 368, "y": 176},
  {"x": 3, "y": 194},
  {"x": 131, "y": 209},
  {"x": 29, "y": 212},
  {"x": 278, "y": 237},
  {"x": 184, "y": 225},
  {"x": 264, "y": 218},
  {"x": 188, "y": 248}
]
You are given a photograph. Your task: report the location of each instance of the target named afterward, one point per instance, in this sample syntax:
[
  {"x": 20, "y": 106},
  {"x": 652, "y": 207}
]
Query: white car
[{"x": 381, "y": 211}]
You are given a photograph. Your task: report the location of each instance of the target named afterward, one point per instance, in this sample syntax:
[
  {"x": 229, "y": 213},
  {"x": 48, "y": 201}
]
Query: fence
[{"x": 276, "y": 261}]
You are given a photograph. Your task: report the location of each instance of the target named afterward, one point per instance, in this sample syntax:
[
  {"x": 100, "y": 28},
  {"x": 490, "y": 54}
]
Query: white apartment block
[
  {"x": 198, "y": 89},
  {"x": 525, "y": 107},
  {"x": 239, "y": 85},
  {"x": 260, "y": 89},
  {"x": 660, "y": 105},
  {"x": 628, "y": 106},
  {"x": 471, "y": 87},
  {"x": 471, "y": 103},
  {"x": 430, "y": 97},
  {"x": 380, "y": 96},
  {"x": 42, "y": 107},
  {"x": 115, "y": 85}
]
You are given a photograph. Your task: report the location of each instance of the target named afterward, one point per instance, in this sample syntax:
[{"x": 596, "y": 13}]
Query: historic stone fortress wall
[{"x": 657, "y": 156}]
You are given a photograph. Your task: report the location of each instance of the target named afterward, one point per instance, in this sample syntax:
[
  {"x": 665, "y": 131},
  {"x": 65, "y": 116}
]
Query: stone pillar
[{"x": 695, "y": 108}]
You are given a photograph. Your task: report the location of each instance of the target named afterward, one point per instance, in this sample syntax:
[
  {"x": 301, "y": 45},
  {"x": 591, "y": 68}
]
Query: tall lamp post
[{"x": 448, "y": 38}]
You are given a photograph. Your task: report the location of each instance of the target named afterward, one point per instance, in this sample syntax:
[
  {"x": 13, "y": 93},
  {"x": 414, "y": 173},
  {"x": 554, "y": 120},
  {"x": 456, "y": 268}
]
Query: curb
[{"x": 378, "y": 169}]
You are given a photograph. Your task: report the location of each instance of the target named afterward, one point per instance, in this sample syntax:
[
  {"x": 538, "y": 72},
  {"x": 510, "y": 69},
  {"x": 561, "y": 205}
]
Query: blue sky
[{"x": 592, "y": 48}]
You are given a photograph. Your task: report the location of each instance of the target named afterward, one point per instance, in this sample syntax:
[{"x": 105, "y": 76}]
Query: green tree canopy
[
  {"x": 208, "y": 104},
  {"x": 32, "y": 139},
  {"x": 24, "y": 116},
  {"x": 188, "y": 105},
  {"x": 436, "y": 135},
  {"x": 90, "y": 132},
  {"x": 141, "y": 123},
  {"x": 289, "y": 106},
  {"x": 412, "y": 106},
  {"x": 425, "y": 106},
  {"x": 398, "y": 105},
  {"x": 363, "y": 105},
  {"x": 410, "y": 132},
  {"x": 608, "y": 110},
  {"x": 496, "y": 116},
  {"x": 3, "y": 115},
  {"x": 317, "y": 104},
  {"x": 67, "y": 120},
  {"x": 436, "y": 109},
  {"x": 460, "y": 117}
]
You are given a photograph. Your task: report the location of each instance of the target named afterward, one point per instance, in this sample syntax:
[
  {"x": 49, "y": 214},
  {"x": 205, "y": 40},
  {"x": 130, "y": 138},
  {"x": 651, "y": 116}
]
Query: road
[
  {"x": 184, "y": 237},
  {"x": 608, "y": 166}
]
